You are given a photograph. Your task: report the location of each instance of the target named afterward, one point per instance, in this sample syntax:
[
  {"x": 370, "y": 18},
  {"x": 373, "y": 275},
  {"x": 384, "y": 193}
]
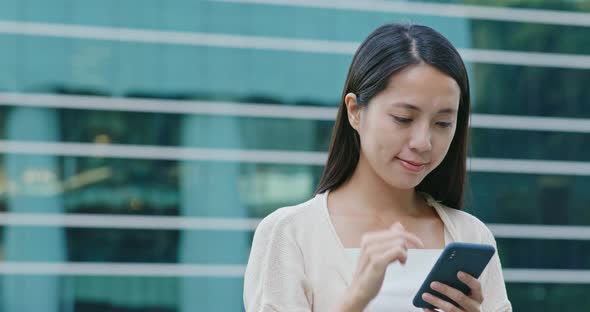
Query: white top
[
  {"x": 298, "y": 263},
  {"x": 401, "y": 282}
]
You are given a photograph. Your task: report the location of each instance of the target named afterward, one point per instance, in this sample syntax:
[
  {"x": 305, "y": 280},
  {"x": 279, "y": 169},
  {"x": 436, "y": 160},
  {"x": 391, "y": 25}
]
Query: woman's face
[{"x": 406, "y": 129}]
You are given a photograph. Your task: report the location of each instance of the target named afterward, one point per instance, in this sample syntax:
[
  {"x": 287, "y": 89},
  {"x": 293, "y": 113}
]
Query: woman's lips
[{"x": 412, "y": 166}]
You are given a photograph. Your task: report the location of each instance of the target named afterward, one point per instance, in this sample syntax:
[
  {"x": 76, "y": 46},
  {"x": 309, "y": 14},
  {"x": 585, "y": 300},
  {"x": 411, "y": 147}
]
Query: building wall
[{"x": 142, "y": 141}]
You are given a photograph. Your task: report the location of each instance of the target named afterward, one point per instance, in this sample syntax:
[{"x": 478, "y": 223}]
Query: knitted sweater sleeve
[{"x": 275, "y": 278}]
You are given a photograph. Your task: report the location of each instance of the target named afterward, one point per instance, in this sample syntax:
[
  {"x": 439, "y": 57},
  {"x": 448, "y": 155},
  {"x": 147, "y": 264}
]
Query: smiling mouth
[{"x": 412, "y": 166}]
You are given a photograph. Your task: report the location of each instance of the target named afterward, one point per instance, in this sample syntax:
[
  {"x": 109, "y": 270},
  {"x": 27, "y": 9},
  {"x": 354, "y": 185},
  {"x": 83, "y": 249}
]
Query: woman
[{"x": 392, "y": 186}]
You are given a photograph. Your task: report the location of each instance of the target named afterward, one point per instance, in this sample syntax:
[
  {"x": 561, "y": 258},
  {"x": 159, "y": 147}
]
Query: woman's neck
[{"x": 365, "y": 189}]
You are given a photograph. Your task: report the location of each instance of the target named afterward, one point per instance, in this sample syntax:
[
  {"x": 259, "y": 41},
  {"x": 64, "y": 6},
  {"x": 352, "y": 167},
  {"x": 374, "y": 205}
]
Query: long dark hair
[{"x": 386, "y": 51}]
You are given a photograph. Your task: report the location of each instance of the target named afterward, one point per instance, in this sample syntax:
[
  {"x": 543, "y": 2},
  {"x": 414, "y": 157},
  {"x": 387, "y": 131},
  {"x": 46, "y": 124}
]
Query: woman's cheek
[{"x": 440, "y": 150}]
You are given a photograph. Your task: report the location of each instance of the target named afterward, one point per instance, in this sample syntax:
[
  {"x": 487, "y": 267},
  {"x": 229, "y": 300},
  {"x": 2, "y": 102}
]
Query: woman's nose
[{"x": 421, "y": 140}]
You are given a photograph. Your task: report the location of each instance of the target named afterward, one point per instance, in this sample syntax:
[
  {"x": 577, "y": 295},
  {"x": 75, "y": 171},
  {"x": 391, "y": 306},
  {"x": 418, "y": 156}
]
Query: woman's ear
[{"x": 353, "y": 110}]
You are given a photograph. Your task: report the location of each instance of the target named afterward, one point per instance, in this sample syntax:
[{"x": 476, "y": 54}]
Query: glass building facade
[{"x": 142, "y": 141}]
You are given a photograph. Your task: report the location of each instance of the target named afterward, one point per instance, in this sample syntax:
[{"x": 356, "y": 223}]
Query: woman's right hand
[{"x": 378, "y": 250}]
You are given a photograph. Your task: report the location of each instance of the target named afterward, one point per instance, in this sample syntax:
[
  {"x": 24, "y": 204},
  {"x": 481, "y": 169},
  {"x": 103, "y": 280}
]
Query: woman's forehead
[
  {"x": 423, "y": 77},
  {"x": 421, "y": 88}
]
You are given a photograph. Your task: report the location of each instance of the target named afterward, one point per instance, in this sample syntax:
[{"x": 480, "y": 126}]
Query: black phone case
[{"x": 466, "y": 257}]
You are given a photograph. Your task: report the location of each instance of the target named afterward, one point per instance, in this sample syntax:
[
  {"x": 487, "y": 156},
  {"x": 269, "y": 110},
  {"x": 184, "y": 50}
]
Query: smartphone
[{"x": 465, "y": 257}]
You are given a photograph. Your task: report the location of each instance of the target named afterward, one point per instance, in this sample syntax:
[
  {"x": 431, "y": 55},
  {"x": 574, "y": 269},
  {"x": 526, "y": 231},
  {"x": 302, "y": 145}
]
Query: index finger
[
  {"x": 413, "y": 239},
  {"x": 408, "y": 236},
  {"x": 473, "y": 283}
]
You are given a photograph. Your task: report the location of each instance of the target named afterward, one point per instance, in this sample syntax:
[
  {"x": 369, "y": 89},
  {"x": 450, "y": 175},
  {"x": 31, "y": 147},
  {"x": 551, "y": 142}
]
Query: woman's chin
[{"x": 403, "y": 184}]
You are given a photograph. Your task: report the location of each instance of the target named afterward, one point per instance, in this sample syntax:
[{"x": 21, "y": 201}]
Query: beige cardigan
[{"x": 297, "y": 262}]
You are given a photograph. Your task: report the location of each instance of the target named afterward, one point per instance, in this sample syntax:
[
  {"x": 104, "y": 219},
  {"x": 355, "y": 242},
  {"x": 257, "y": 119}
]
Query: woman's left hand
[{"x": 467, "y": 303}]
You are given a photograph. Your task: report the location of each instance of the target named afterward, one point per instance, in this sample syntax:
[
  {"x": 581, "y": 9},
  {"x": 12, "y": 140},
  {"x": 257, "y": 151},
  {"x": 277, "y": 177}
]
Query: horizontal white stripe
[
  {"x": 530, "y": 123},
  {"x": 265, "y": 156},
  {"x": 526, "y": 58},
  {"x": 531, "y": 231},
  {"x": 162, "y": 153},
  {"x": 273, "y": 43},
  {"x": 121, "y": 269},
  {"x": 176, "y": 37},
  {"x": 265, "y": 110},
  {"x": 236, "y": 271},
  {"x": 168, "y": 106},
  {"x": 109, "y": 221},
  {"x": 436, "y": 9},
  {"x": 573, "y": 168},
  {"x": 547, "y": 276}
]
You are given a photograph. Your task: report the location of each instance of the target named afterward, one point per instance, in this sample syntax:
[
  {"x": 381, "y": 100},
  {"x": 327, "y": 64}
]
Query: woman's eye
[
  {"x": 445, "y": 124},
  {"x": 401, "y": 119}
]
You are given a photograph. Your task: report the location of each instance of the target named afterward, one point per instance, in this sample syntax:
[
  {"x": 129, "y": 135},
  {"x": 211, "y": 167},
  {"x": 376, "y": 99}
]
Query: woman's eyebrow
[{"x": 418, "y": 109}]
